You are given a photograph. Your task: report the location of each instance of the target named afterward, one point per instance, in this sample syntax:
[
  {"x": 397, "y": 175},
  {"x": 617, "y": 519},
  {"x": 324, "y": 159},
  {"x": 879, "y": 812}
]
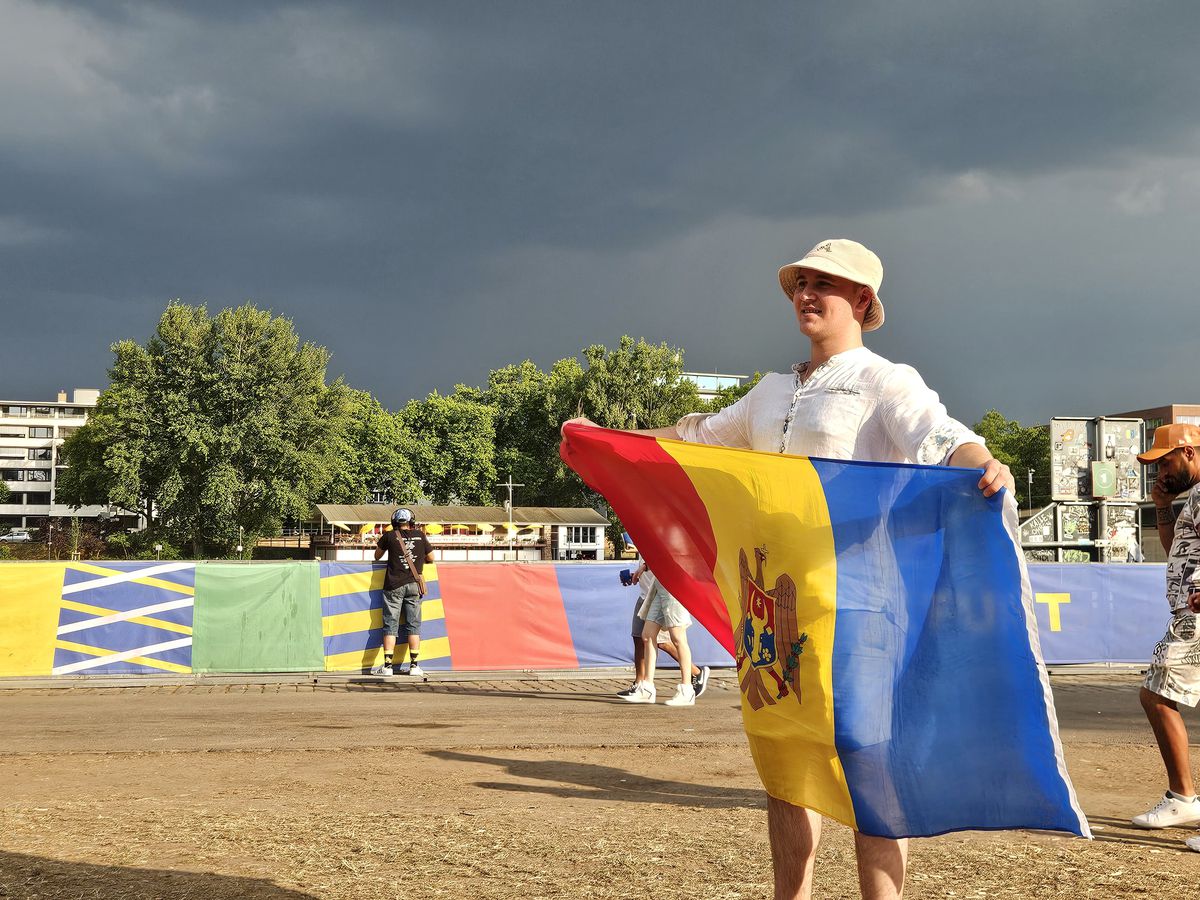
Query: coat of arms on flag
[{"x": 769, "y": 628}]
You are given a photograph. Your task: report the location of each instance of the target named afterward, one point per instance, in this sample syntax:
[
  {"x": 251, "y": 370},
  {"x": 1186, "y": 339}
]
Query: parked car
[{"x": 17, "y": 536}]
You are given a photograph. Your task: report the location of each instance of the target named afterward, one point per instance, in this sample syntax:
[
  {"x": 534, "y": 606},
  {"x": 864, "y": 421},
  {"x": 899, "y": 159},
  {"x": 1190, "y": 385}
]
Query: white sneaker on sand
[
  {"x": 416, "y": 671},
  {"x": 643, "y": 694},
  {"x": 1193, "y": 843},
  {"x": 685, "y": 695},
  {"x": 1171, "y": 812},
  {"x": 385, "y": 671}
]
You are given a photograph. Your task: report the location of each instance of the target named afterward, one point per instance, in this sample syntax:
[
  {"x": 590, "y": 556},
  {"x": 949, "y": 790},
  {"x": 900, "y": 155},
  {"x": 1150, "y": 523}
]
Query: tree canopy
[
  {"x": 223, "y": 427},
  {"x": 218, "y": 429},
  {"x": 1021, "y": 448}
]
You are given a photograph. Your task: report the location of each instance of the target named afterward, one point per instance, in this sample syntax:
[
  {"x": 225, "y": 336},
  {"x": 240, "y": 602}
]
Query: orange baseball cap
[{"x": 1167, "y": 438}]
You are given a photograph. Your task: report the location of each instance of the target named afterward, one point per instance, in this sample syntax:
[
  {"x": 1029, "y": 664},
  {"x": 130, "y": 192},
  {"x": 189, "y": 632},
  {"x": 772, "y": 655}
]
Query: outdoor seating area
[{"x": 348, "y": 533}]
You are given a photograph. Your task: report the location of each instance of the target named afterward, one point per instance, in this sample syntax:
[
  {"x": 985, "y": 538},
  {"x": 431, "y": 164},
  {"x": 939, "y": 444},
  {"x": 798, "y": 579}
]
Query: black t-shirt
[{"x": 398, "y": 574}]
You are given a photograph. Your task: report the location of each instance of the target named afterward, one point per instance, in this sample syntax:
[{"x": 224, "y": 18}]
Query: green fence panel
[{"x": 264, "y": 618}]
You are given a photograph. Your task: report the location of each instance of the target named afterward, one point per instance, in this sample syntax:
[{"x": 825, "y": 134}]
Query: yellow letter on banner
[{"x": 1052, "y": 601}]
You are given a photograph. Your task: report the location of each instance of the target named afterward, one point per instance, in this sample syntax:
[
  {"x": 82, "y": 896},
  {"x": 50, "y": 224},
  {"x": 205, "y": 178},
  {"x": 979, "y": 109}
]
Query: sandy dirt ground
[{"x": 493, "y": 790}]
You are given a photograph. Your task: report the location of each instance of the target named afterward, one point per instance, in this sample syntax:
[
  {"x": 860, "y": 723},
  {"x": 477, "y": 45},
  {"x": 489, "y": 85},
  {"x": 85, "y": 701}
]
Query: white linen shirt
[{"x": 856, "y": 405}]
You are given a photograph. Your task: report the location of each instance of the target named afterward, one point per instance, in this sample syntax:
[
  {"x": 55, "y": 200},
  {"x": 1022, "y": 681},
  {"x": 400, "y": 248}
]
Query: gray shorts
[
  {"x": 404, "y": 603},
  {"x": 638, "y": 622},
  {"x": 1174, "y": 670},
  {"x": 665, "y": 611}
]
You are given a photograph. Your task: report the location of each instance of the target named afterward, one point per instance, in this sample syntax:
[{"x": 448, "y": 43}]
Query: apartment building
[{"x": 31, "y": 433}]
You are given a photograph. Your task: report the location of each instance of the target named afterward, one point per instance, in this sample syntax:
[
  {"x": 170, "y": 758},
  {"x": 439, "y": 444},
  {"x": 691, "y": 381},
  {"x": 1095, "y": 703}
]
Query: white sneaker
[
  {"x": 1171, "y": 812},
  {"x": 385, "y": 671},
  {"x": 416, "y": 671},
  {"x": 643, "y": 694},
  {"x": 685, "y": 695},
  {"x": 1193, "y": 843}
]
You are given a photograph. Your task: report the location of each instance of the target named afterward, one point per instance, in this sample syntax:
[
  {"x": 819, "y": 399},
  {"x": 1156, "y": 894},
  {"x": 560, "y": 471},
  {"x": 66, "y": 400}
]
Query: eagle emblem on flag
[{"x": 770, "y": 641}]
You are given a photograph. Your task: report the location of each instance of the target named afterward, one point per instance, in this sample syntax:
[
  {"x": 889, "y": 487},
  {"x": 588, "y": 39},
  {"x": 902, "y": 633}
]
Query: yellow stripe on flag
[
  {"x": 777, "y": 503},
  {"x": 149, "y": 582},
  {"x": 348, "y": 623},
  {"x": 367, "y": 580},
  {"x": 372, "y": 619},
  {"x": 29, "y": 597},
  {"x": 352, "y": 583},
  {"x": 357, "y": 660},
  {"x": 100, "y": 611},
  {"x": 148, "y": 661}
]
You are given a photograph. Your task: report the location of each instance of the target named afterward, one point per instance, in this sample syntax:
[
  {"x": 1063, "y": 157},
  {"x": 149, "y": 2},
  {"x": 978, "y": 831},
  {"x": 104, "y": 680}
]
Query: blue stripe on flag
[{"x": 941, "y": 718}]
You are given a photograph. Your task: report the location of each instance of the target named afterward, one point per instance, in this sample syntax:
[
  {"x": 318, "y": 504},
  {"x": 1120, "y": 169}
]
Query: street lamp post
[
  {"x": 510, "y": 484},
  {"x": 1031, "y": 490}
]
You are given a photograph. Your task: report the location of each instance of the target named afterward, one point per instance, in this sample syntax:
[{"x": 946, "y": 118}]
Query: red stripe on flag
[
  {"x": 659, "y": 507},
  {"x": 505, "y": 616}
]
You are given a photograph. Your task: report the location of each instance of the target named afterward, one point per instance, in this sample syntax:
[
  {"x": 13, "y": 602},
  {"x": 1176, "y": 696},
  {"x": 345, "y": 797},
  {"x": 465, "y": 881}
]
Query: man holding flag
[{"x": 843, "y": 403}]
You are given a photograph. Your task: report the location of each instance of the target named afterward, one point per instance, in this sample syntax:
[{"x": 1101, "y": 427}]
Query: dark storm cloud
[{"x": 465, "y": 184}]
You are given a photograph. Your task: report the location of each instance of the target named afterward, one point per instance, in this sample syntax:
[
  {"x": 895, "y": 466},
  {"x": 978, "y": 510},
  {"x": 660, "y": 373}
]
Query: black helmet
[{"x": 402, "y": 516}]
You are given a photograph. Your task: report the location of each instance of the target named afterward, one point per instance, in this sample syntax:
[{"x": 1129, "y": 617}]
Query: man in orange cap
[{"x": 1174, "y": 673}]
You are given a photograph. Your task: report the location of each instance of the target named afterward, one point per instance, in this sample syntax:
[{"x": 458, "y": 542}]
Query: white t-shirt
[{"x": 856, "y": 405}]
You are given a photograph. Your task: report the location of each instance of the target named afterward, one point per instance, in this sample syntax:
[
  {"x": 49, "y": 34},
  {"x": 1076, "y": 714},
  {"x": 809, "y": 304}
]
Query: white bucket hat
[{"x": 846, "y": 259}]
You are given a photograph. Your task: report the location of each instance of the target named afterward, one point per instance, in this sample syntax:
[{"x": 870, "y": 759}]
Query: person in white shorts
[
  {"x": 1174, "y": 673},
  {"x": 661, "y": 612}
]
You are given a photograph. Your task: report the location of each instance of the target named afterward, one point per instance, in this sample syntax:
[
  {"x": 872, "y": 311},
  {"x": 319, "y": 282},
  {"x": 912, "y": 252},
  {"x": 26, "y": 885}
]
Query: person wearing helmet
[{"x": 407, "y": 549}]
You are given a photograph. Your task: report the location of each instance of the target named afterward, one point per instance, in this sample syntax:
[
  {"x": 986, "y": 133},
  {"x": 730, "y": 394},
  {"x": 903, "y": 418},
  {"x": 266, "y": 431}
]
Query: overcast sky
[{"x": 456, "y": 186}]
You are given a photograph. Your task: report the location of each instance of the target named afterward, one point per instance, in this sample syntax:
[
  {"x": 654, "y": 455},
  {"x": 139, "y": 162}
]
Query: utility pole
[{"x": 510, "y": 484}]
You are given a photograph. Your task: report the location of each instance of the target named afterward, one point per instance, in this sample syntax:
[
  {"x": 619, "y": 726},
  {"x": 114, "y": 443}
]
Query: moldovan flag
[{"x": 881, "y": 620}]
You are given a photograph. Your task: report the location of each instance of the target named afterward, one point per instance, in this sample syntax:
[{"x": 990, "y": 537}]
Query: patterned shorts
[{"x": 1174, "y": 670}]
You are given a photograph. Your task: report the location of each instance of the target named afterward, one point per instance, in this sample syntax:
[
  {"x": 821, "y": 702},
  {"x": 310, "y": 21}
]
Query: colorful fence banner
[
  {"x": 1088, "y": 613},
  {"x": 508, "y": 617},
  {"x": 125, "y": 618},
  {"x": 258, "y": 618},
  {"x": 29, "y": 608},
  {"x": 865, "y": 604},
  {"x": 104, "y": 618},
  {"x": 352, "y": 619}
]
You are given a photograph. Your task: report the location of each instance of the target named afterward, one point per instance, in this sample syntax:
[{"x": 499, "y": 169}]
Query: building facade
[
  {"x": 709, "y": 383},
  {"x": 1155, "y": 416},
  {"x": 31, "y": 434}
]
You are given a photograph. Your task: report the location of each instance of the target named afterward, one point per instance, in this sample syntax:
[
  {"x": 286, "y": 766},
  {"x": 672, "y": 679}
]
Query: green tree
[
  {"x": 218, "y": 423},
  {"x": 529, "y": 406},
  {"x": 1021, "y": 448},
  {"x": 636, "y": 385},
  {"x": 5, "y": 493},
  {"x": 453, "y": 448},
  {"x": 730, "y": 395},
  {"x": 374, "y": 453}
]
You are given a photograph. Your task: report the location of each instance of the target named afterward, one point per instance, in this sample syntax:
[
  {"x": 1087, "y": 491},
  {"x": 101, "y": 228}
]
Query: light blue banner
[{"x": 1086, "y": 613}]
